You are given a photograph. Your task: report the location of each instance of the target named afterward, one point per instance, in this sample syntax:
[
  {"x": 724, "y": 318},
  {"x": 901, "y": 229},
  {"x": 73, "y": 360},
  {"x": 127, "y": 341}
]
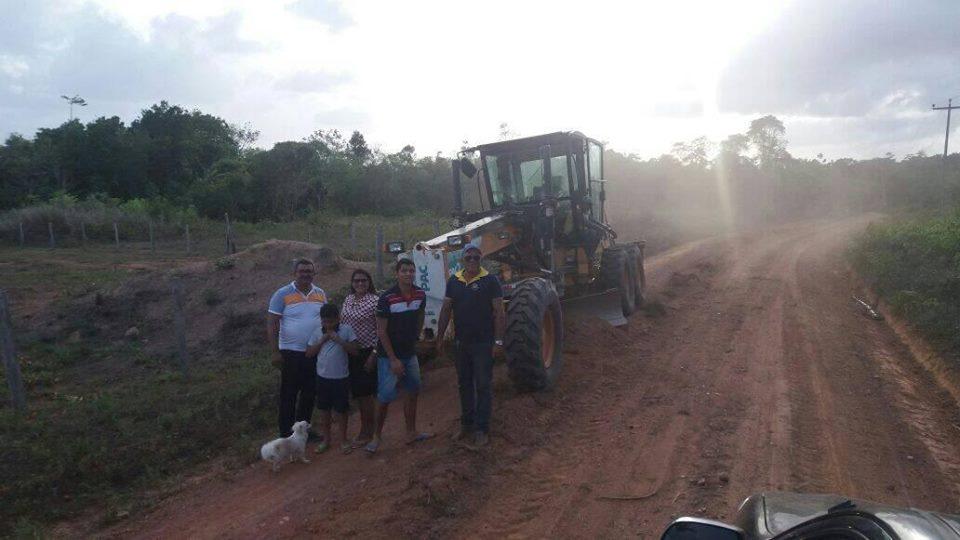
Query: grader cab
[{"x": 544, "y": 233}]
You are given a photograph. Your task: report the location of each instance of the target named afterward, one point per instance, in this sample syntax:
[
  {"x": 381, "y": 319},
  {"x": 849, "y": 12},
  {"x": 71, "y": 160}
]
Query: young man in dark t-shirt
[
  {"x": 475, "y": 299},
  {"x": 400, "y": 313}
]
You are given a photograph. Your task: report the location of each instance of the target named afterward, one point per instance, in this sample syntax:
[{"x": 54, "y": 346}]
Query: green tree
[
  {"x": 358, "y": 147},
  {"x": 692, "y": 153},
  {"x": 228, "y": 187},
  {"x": 768, "y": 137},
  {"x": 287, "y": 180},
  {"x": 181, "y": 145},
  {"x": 60, "y": 150},
  {"x": 20, "y": 177}
]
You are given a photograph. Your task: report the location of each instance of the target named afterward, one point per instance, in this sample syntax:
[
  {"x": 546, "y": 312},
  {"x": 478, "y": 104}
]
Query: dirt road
[{"x": 762, "y": 374}]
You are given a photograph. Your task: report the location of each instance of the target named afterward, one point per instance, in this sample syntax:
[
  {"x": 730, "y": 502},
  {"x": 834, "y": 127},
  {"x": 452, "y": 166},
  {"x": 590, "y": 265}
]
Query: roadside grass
[
  {"x": 118, "y": 439},
  {"x": 914, "y": 264},
  {"x": 63, "y": 270}
]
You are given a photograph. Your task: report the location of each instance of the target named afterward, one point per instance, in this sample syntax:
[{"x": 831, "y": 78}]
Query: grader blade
[{"x": 605, "y": 305}]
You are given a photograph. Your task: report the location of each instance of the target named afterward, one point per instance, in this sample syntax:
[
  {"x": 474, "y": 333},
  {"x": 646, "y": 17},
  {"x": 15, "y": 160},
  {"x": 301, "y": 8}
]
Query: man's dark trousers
[
  {"x": 298, "y": 378},
  {"x": 474, "y": 377}
]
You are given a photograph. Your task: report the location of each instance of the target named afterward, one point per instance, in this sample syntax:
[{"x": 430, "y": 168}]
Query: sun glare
[{"x": 639, "y": 75}]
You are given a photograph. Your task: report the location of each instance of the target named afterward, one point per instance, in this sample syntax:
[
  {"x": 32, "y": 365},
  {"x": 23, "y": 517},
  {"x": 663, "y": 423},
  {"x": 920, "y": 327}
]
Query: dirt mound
[{"x": 224, "y": 299}]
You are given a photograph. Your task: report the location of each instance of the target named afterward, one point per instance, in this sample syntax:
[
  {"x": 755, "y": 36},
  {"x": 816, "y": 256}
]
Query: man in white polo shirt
[{"x": 293, "y": 315}]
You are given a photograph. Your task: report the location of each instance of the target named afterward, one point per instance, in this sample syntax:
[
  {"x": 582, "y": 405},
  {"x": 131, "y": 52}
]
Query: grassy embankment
[
  {"x": 914, "y": 265},
  {"x": 111, "y": 427}
]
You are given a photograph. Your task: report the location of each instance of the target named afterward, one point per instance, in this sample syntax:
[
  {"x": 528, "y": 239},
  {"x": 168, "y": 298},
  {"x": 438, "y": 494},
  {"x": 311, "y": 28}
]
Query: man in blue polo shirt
[
  {"x": 476, "y": 301},
  {"x": 293, "y": 315}
]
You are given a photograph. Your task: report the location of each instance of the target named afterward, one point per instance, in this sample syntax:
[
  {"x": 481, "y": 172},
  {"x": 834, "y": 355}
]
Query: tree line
[
  {"x": 170, "y": 157},
  {"x": 751, "y": 178}
]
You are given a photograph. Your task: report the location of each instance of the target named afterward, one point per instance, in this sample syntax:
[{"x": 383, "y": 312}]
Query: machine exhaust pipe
[{"x": 457, "y": 191}]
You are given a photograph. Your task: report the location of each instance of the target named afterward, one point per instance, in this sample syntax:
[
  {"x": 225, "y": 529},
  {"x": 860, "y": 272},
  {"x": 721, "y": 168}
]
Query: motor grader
[{"x": 544, "y": 232}]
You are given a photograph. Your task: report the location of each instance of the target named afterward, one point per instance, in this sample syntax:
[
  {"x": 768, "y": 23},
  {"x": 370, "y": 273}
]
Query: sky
[{"x": 849, "y": 78}]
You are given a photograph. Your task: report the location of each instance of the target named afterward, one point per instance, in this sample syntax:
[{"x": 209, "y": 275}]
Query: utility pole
[
  {"x": 946, "y": 140},
  {"x": 75, "y": 100}
]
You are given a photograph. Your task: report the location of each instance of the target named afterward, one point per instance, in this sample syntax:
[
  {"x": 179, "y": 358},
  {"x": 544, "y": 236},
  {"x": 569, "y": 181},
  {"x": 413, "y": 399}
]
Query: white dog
[{"x": 287, "y": 449}]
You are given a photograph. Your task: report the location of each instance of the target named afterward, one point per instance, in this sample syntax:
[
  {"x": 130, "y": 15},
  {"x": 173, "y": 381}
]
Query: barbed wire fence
[{"x": 353, "y": 238}]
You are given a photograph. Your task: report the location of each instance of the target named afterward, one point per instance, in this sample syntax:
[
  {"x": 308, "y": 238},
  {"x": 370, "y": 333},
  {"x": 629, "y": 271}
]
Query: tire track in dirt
[{"x": 679, "y": 409}]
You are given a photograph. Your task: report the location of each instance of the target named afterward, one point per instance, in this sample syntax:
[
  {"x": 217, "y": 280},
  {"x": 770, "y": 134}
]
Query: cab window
[{"x": 595, "y": 177}]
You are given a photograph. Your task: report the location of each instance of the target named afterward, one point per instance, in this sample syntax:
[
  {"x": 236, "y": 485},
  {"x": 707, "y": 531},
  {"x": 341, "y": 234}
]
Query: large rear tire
[
  {"x": 615, "y": 273},
  {"x": 534, "y": 336}
]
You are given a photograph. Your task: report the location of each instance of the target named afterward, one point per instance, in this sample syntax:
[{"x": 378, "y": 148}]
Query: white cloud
[
  {"x": 327, "y": 12},
  {"x": 309, "y": 82}
]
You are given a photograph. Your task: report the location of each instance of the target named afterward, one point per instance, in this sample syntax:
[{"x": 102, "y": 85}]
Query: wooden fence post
[
  {"x": 231, "y": 248},
  {"x": 116, "y": 235},
  {"x": 153, "y": 244},
  {"x": 21, "y": 234},
  {"x": 187, "y": 227},
  {"x": 378, "y": 253},
  {"x": 53, "y": 241},
  {"x": 9, "y": 354},
  {"x": 180, "y": 324}
]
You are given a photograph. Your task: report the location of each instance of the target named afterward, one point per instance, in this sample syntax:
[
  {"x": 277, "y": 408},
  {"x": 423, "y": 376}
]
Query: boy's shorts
[
  {"x": 333, "y": 394},
  {"x": 387, "y": 380}
]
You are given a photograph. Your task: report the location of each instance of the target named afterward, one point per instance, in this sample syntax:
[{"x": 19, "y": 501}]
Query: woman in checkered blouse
[{"x": 359, "y": 311}]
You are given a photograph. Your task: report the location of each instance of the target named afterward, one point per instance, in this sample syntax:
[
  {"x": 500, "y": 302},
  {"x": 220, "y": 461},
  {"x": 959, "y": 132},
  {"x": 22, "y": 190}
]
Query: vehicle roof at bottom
[
  {"x": 558, "y": 137},
  {"x": 780, "y": 512}
]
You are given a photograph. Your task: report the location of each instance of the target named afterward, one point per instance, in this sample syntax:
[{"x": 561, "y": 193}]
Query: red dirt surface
[{"x": 762, "y": 374}]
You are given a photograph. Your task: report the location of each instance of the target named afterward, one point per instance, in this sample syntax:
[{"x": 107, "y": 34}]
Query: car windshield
[{"x": 518, "y": 178}]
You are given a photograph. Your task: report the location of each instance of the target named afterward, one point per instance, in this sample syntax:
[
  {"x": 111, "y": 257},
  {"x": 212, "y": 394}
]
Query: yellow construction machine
[{"x": 543, "y": 230}]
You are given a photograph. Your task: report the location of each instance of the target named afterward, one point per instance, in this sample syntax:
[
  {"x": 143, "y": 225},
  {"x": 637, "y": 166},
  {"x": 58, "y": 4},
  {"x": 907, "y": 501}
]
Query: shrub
[
  {"x": 915, "y": 266},
  {"x": 224, "y": 263}
]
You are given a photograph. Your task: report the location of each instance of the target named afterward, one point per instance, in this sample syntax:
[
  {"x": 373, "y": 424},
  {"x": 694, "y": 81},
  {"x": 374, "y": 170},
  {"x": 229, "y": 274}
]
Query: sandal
[
  {"x": 346, "y": 448},
  {"x": 359, "y": 443},
  {"x": 372, "y": 447},
  {"x": 419, "y": 437}
]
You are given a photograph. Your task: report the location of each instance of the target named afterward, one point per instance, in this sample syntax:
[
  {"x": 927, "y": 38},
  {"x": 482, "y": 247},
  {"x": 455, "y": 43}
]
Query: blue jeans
[
  {"x": 475, "y": 378},
  {"x": 387, "y": 380}
]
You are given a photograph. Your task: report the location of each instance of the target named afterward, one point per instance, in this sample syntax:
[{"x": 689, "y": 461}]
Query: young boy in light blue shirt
[{"x": 330, "y": 344}]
